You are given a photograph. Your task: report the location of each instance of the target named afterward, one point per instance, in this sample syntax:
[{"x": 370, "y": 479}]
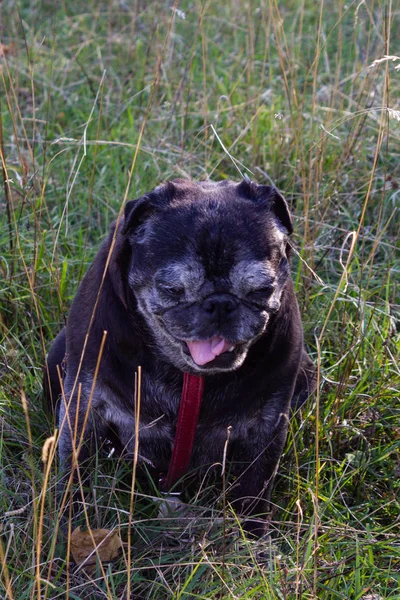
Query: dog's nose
[{"x": 220, "y": 305}]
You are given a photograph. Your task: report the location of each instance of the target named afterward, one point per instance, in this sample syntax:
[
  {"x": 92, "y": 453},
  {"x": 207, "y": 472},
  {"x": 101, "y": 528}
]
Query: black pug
[{"x": 198, "y": 281}]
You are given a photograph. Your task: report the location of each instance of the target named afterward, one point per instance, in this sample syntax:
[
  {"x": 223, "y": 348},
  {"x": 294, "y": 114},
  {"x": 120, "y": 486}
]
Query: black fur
[{"x": 187, "y": 266}]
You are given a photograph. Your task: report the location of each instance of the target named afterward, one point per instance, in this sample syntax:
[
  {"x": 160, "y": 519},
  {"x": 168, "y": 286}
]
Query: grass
[{"x": 101, "y": 101}]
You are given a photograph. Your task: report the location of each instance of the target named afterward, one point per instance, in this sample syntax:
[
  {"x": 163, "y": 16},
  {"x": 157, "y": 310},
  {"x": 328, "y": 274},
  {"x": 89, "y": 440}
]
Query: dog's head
[{"x": 207, "y": 265}]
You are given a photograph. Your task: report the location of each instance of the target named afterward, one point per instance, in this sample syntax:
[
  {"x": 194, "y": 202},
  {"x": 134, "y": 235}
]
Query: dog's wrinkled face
[{"x": 208, "y": 267}]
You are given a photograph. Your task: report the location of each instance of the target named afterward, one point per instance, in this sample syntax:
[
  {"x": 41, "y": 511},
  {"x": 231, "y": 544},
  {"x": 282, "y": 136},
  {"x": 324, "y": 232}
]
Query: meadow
[{"x": 100, "y": 103}]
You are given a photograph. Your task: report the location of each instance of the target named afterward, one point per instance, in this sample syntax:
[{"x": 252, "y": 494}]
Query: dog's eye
[
  {"x": 173, "y": 291},
  {"x": 261, "y": 294}
]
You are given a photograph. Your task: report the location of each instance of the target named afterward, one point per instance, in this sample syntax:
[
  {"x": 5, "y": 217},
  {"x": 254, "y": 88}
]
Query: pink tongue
[{"x": 205, "y": 351}]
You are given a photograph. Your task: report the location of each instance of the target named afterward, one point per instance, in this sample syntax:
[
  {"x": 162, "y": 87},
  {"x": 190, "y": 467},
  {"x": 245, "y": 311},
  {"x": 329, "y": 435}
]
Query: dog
[{"x": 194, "y": 279}]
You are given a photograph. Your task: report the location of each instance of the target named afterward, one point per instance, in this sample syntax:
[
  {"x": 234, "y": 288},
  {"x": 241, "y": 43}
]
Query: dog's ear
[
  {"x": 267, "y": 196},
  {"x": 133, "y": 227},
  {"x": 137, "y": 211}
]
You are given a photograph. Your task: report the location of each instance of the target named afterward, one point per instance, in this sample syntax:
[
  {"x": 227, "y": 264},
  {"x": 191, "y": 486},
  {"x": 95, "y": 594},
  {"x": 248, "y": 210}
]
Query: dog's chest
[
  {"x": 225, "y": 415},
  {"x": 159, "y": 408},
  {"x": 217, "y": 423}
]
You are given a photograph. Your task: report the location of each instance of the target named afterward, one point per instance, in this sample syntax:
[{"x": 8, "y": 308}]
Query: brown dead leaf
[{"x": 106, "y": 546}]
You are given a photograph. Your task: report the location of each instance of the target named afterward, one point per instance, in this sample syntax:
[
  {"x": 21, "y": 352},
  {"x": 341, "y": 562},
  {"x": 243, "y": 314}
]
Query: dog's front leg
[
  {"x": 80, "y": 427},
  {"x": 259, "y": 459},
  {"x": 76, "y": 428},
  {"x": 79, "y": 432}
]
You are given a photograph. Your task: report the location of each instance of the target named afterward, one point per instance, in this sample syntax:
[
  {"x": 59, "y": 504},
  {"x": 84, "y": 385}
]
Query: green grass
[{"x": 100, "y": 101}]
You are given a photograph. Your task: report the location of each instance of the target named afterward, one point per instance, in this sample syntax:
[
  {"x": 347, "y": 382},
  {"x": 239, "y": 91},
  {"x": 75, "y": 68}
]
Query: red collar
[{"x": 192, "y": 393}]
